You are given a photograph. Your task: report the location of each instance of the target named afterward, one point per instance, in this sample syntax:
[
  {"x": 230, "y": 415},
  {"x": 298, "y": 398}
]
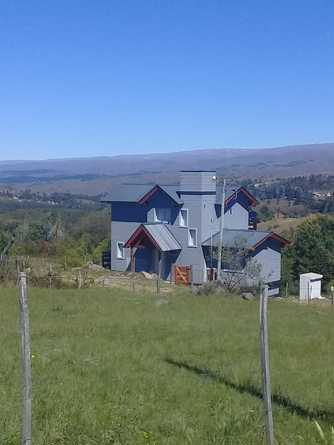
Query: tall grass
[{"x": 113, "y": 368}]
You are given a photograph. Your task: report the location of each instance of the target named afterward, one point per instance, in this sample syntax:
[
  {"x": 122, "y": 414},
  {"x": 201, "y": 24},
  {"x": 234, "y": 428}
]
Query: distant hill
[{"x": 96, "y": 173}]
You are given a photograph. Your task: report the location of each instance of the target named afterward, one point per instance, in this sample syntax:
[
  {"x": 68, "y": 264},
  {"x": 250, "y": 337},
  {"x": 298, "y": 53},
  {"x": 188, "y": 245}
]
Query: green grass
[{"x": 112, "y": 368}]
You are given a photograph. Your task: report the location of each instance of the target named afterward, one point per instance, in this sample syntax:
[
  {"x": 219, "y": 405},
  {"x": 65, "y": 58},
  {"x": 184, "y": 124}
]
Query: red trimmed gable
[
  {"x": 154, "y": 191},
  {"x": 253, "y": 201},
  {"x": 138, "y": 236},
  {"x": 273, "y": 236}
]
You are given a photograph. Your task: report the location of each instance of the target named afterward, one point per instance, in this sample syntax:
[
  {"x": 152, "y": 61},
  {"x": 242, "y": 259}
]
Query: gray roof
[
  {"x": 134, "y": 192},
  {"x": 163, "y": 237},
  {"x": 229, "y": 192},
  {"x": 172, "y": 191},
  {"x": 233, "y": 238}
]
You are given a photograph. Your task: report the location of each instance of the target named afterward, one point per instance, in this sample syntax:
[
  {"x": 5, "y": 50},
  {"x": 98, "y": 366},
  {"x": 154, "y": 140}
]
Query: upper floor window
[
  {"x": 163, "y": 215},
  {"x": 192, "y": 238},
  {"x": 183, "y": 217}
]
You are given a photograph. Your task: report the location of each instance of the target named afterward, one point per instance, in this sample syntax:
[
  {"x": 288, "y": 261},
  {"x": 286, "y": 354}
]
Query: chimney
[{"x": 197, "y": 181}]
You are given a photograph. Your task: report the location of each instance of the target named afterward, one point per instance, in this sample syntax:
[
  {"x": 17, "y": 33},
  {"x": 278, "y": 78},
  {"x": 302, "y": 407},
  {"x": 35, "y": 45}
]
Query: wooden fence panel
[{"x": 182, "y": 274}]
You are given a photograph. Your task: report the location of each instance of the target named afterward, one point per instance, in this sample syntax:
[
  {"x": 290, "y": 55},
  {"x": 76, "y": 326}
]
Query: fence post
[
  {"x": 192, "y": 277},
  {"x": 26, "y": 361},
  {"x": 159, "y": 272},
  {"x": 50, "y": 276},
  {"x": 264, "y": 345}
]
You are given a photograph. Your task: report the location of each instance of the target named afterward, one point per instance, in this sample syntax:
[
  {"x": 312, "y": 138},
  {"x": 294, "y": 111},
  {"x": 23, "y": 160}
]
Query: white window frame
[
  {"x": 120, "y": 256},
  {"x": 190, "y": 243},
  {"x": 155, "y": 215},
  {"x": 186, "y": 223}
]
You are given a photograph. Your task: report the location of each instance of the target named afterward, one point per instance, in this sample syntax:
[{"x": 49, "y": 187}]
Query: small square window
[
  {"x": 192, "y": 238},
  {"x": 183, "y": 217},
  {"x": 120, "y": 250}
]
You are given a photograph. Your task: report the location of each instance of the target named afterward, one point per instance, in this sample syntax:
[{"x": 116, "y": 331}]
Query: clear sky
[{"x": 85, "y": 77}]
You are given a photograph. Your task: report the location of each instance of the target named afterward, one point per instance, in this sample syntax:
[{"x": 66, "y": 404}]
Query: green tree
[
  {"x": 313, "y": 249},
  {"x": 264, "y": 213},
  {"x": 103, "y": 246}
]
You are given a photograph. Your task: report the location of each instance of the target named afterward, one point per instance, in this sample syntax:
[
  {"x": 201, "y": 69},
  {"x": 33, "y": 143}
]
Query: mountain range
[{"x": 240, "y": 163}]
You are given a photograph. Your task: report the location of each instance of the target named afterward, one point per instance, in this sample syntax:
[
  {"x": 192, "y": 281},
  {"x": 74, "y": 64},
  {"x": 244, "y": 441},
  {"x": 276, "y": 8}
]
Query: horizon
[
  {"x": 76, "y": 158},
  {"x": 128, "y": 78}
]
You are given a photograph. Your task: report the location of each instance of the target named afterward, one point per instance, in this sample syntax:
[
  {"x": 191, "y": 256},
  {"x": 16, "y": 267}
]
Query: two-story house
[{"x": 155, "y": 228}]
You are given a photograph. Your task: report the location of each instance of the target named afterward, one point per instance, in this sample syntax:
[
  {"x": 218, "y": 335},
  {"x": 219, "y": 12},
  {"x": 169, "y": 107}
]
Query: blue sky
[{"x": 83, "y": 78}]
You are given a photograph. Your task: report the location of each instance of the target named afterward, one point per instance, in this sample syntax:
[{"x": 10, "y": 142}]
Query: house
[{"x": 163, "y": 229}]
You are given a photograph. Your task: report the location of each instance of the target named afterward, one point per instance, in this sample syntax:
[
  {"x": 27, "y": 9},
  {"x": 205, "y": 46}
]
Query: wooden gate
[{"x": 182, "y": 274}]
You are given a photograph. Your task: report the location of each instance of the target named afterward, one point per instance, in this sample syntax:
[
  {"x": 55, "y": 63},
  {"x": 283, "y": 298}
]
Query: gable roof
[
  {"x": 140, "y": 192},
  {"x": 250, "y": 239},
  {"x": 232, "y": 192},
  {"x": 171, "y": 191},
  {"x": 157, "y": 234}
]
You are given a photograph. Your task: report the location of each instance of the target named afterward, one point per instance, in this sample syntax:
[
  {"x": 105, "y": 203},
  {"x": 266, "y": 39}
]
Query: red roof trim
[
  {"x": 141, "y": 230},
  {"x": 274, "y": 236},
  {"x": 251, "y": 197},
  {"x": 149, "y": 194}
]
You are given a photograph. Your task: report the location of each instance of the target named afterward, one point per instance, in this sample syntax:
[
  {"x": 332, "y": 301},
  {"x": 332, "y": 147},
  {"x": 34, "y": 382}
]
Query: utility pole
[{"x": 221, "y": 230}]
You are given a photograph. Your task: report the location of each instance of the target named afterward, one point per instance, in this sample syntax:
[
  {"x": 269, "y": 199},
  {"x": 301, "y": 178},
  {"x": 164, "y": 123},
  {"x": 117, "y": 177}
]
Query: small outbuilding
[{"x": 310, "y": 286}]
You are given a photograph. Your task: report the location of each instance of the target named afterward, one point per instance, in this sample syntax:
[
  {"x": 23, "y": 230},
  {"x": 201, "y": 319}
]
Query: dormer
[{"x": 144, "y": 203}]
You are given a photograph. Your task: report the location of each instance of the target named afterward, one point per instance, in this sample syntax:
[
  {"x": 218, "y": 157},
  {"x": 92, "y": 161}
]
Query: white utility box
[{"x": 310, "y": 286}]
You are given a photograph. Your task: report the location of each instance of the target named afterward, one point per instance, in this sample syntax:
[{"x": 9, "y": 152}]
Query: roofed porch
[{"x": 153, "y": 249}]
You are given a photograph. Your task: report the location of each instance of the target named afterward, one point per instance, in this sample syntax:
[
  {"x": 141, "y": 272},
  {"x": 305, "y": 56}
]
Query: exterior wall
[
  {"x": 142, "y": 213},
  {"x": 198, "y": 181},
  {"x": 128, "y": 212},
  {"x": 121, "y": 231},
  {"x": 270, "y": 261},
  {"x": 162, "y": 200},
  {"x": 190, "y": 256},
  {"x": 210, "y": 221},
  {"x": 268, "y": 256},
  {"x": 237, "y": 217}
]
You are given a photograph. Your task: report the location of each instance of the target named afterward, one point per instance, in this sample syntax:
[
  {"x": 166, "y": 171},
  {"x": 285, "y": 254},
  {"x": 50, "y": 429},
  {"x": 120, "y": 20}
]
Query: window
[
  {"x": 192, "y": 238},
  {"x": 163, "y": 215},
  {"x": 120, "y": 250},
  {"x": 183, "y": 217}
]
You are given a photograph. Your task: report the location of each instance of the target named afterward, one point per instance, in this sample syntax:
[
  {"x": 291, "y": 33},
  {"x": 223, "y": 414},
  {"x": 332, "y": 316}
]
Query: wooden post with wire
[
  {"x": 26, "y": 361},
  {"x": 264, "y": 346},
  {"x": 159, "y": 261}
]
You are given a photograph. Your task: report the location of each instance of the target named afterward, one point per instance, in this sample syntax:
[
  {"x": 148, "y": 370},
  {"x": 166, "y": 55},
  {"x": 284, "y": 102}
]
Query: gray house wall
[
  {"x": 237, "y": 217},
  {"x": 197, "y": 181},
  {"x": 121, "y": 231},
  {"x": 268, "y": 257},
  {"x": 190, "y": 255}
]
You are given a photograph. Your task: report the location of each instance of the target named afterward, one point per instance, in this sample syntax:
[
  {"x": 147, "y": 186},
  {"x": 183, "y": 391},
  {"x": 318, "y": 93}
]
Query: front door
[{"x": 145, "y": 260}]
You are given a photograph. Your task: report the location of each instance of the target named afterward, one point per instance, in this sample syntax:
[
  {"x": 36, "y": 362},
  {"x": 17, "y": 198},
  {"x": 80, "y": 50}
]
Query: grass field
[{"x": 113, "y": 368}]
